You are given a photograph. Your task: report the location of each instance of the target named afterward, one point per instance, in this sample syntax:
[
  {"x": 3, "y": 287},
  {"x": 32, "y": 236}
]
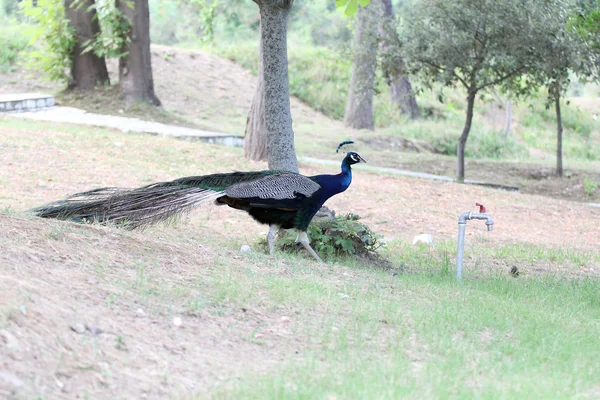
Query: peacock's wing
[{"x": 276, "y": 188}]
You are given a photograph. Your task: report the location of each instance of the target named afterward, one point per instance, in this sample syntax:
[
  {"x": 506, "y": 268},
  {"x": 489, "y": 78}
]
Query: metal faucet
[{"x": 462, "y": 223}]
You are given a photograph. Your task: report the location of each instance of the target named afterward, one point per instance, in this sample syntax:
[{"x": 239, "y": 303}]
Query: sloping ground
[
  {"x": 63, "y": 160},
  {"x": 97, "y": 312},
  {"x": 93, "y": 312}
]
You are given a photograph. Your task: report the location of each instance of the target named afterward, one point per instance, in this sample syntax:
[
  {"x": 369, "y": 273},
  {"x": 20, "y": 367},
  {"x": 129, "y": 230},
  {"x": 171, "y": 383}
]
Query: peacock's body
[{"x": 277, "y": 198}]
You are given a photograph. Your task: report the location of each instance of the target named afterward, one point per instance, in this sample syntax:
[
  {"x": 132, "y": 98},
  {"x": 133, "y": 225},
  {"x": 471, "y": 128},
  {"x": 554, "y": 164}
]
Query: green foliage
[
  {"x": 491, "y": 145},
  {"x": 590, "y": 186},
  {"x": 317, "y": 75},
  {"x": 8, "y": 8},
  {"x": 341, "y": 236},
  {"x": 350, "y": 7},
  {"x": 175, "y": 22},
  {"x": 114, "y": 31},
  {"x": 12, "y": 44},
  {"x": 51, "y": 36}
]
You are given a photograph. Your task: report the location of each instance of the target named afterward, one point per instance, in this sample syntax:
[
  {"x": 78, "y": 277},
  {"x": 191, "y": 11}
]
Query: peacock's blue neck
[{"x": 346, "y": 175}]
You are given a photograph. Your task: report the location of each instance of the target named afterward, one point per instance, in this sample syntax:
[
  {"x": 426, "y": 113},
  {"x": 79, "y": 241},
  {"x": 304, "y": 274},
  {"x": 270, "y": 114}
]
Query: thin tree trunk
[
  {"x": 401, "y": 91},
  {"x": 255, "y": 140},
  {"x": 508, "y": 120},
  {"x": 135, "y": 68},
  {"x": 278, "y": 118},
  {"x": 559, "y": 133},
  {"x": 359, "y": 109},
  {"x": 462, "y": 141},
  {"x": 87, "y": 69}
]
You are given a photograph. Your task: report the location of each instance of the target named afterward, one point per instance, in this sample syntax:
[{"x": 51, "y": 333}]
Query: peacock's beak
[{"x": 360, "y": 159}]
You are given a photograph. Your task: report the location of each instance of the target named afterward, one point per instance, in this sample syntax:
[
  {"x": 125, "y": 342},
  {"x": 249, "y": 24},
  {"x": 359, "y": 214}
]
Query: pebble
[
  {"x": 245, "y": 249},
  {"x": 177, "y": 321},
  {"x": 285, "y": 319},
  {"x": 78, "y": 327},
  {"x": 139, "y": 312}
]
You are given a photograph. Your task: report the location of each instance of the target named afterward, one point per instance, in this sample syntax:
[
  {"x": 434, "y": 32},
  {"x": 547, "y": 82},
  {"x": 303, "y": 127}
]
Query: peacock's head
[{"x": 353, "y": 158}]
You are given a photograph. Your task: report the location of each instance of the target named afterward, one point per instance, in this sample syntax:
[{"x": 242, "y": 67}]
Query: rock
[
  {"x": 177, "y": 321},
  {"x": 285, "y": 320},
  {"x": 78, "y": 327},
  {"x": 139, "y": 312},
  {"x": 424, "y": 238},
  {"x": 245, "y": 249},
  {"x": 343, "y": 295}
]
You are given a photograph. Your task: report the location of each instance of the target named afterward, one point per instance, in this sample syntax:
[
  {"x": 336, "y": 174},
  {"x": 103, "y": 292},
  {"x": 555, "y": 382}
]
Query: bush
[
  {"x": 12, "y": 43},
  {"x": 492, "y": 145},
  {"x": 336, "y": 237}
]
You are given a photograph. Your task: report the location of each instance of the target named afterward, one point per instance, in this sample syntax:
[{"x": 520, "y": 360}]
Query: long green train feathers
[{"x": 134, "y": 208}]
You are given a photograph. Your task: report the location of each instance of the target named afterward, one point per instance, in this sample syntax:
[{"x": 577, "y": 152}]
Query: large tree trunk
[
  {"x": 559, "y": 132},
  {"x": 401, "y": 91},
  {"x": 359, "y": 109},
  {"x": 255, "y": 140},
  {"x": 135, "y": 68},
  {"x": 278, "y": 118},
  {"x": 87, "y": 70},
  {"x": 462, "y": 141}
]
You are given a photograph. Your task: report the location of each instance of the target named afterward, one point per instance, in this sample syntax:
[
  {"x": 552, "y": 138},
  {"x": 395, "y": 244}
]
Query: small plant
[
  {"x": 336, "y": 237},
  {"x": 590, "y": 186}
]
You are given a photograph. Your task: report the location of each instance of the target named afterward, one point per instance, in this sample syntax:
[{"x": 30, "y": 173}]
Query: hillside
[
  {"x": 213, "y": 93},
  {"x": 177, "y": 311}
]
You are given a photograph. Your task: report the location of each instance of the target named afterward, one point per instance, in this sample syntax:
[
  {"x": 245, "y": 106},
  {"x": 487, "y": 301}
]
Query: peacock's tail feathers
[
  {"x": 130, "y": 208},
  {"x": 160, "y": 202}
]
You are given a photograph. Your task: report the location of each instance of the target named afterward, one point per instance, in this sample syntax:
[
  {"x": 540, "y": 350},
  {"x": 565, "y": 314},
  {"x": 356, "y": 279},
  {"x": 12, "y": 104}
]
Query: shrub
[
  {"x": 12, "y": 43},
  {"x": 336, "y": 237}
]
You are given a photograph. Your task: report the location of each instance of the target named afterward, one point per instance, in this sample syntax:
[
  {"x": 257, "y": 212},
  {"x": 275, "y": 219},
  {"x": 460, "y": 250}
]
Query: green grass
[
  {"x": 12, "y": 43},
  {"x": 422, "y": 334}
]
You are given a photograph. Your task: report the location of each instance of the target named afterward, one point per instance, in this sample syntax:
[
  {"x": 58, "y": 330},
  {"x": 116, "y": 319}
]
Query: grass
[
  {"x": 425, "y": 335},
  {"x": 12, "y": 43}
]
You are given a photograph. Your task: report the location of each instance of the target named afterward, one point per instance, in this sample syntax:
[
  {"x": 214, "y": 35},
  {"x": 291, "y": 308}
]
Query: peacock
[{"x": 279, "y": 199}]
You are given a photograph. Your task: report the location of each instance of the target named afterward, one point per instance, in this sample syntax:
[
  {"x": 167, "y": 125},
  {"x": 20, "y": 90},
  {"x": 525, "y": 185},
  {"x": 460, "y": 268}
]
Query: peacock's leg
[
  {"x": 271, "y": 238},
  {"x": 304, "y": 241}
]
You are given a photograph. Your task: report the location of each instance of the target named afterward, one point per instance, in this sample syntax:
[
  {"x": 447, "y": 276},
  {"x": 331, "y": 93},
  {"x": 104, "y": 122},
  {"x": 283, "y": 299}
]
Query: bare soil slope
[{"x": 88, "y": 311}]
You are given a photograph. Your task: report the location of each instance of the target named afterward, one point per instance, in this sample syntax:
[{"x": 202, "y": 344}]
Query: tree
[
  {"x": 87, "y": 68},
  {"x": 565, "y": 51},
  {"x": 135, "y": 65},
  {"x": 476, "y": 44},
  {"x": 359, "y": 109},
  {"x": 269, "y": 125},
  {"x": 392, "y": 64},
  {"x": 281, "y": 152},
  {"x": 255, "y": 138}
]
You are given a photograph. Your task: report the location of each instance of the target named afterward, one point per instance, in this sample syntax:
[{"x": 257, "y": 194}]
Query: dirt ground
[{"x": 97, "y": 312}]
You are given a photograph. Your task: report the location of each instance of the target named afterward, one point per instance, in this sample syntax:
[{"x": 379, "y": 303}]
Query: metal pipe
[{"x": 462, "y": 223}]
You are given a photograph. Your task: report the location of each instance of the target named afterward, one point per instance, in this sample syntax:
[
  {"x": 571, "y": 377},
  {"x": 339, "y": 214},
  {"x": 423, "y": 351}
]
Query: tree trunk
[
  {"x": 462, "y": 141},
  {"x": 359, "y": 109},
  {"x": 278, "y": 118},
  {"x": 255, "y": 140},
  {"x": 401, "y": 91},
  {"x": 87, "y": 70},
  {"x": 559, "y": 132},
  {"x": 135, "y": 68},
  {"x": 508, "y": 120}
]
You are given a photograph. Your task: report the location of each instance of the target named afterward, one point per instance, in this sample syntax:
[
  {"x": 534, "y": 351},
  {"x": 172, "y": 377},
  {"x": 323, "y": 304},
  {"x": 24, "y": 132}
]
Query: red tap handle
[{"x": 482, "y": 208}]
